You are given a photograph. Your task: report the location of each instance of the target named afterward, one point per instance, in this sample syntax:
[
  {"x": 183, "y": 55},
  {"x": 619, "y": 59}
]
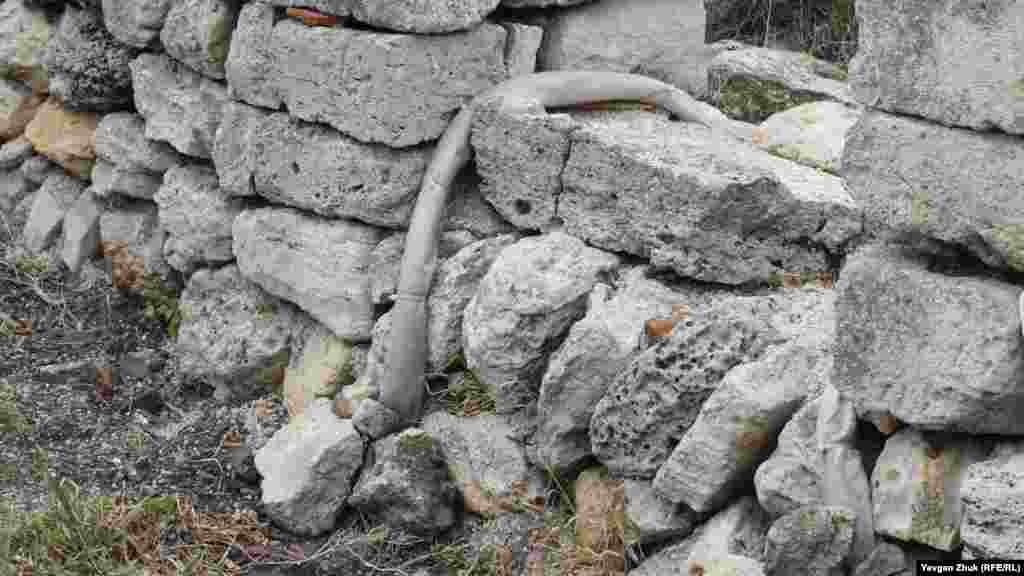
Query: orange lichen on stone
[
  {"x": 658, "y": 327},
  {"x": 888, "y": 424},
  {"x": 312, "y": 17}
]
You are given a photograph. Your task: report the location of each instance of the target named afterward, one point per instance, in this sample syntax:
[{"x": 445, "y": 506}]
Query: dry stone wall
[{"x": 266, "y": 157}]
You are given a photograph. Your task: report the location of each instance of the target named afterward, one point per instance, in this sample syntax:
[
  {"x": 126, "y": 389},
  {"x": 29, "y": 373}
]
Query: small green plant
[
  {"x": 754, "y": 99},
  {"x": 453, "y": 556},
  {"x": 8, "y": 472},
  {"x": 161, "y": 303},
  {"x": 135, "y": 440},
  {"x": 265, "y": 310},
  {"x": 32, "y": 265},
  {"x": 10, "y": 419},
  {"x": 415, "y": 440},
  {"x": 40, "y": 462},
  {"x": 470, "y": 396}
]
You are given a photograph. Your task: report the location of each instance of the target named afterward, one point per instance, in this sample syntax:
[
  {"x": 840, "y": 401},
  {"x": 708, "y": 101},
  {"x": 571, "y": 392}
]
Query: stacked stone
[{"x": 937, "y": 162}]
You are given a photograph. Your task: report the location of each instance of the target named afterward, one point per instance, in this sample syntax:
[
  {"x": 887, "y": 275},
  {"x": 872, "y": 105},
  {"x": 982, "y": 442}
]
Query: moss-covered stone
[
  {"x": 1011, "y": 236},
  {"x": 754, "y": 99}
]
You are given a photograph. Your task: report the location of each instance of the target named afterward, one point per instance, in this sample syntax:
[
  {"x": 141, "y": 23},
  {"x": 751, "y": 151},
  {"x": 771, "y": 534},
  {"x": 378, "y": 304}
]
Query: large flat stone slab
[
  {"x": 937, "y": 352},
  {"x": 953, "y": 62},
  {"x": 394, "y": 89},
  {"x": 704, "y": 205},
  {"x": 320, "y": 265},
  {"x": 953, "y": 185}
]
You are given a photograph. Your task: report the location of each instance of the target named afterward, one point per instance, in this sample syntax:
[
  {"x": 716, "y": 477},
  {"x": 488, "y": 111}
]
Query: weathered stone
[
  {"x": 663, "y": 39},
  {"x": 598, "y": 348},
  {"x": 224, "y": 338},
  {"x": 885, "y": 560},
  {"x": 937, "y": 352},
  {"x": 38, "y": 168},
  {"x": 316, "y": 168},
  {"x": 136, "y": 225},
  {"x": 739, "y": 530},
  {"x": 88, "y": 68},
  {"x": 954, "y": 185},
  {"x": 14, "y": 152},
  {"x": 653, "y": 518},
  {"x": 341, "y": 8},
  {"x": 320, "y": 265},
  {"x": 813, "y": 540},
  {"x": 418, "y": 17},
  {"x": 405, "y": 483},
  {"x": 738, "y": 425},
  {"x": 916, "y": 487},
  {"x": 521, "y": 48},
  {"x": 250, "y": 62},
  {"x": 943, "y": 61},
  {"x": 480, "y": 450},
  {"x": 198, "y": 34},
  {"x": 453, "y": 287},
  {"x": 121, "y": 139},
  {"x": 198, "y": 217},
  {"x": 812, "y": 134},
  {"x": 135, "y": 22},
  {"x": 53, "y": 199},
  {"x": 110, "y": 179},
  {"x": 599, "y": 174},
  {"x": 81, "y": 232},
  {"x": 375, "y": 420},
  {"x": 533, "y": 292},
  {"x": 180, "y": 106},
  {"x": 418, "y": 82},
  {"x": 320, "y": 364},
  {"x": 308, "y": 468},
  {"x": 993, "y": 508},
  {"x": 540, "y": 3},
  {"x": 755, "y": 82},
  {"x": 65, "y": 137},
  {"x": 24, "y": 34},
  {"x": 14, "y": 187}
]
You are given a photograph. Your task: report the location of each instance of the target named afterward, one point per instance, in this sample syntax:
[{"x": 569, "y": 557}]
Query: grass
[{"x": 470, "y": 396}]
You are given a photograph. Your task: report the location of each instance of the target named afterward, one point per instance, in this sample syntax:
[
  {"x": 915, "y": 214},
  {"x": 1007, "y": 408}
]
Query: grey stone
[
  {"x": 916, "y": 487},
  {"x": 533, "y": 292},
  {"x": 377, "y": 367},
  {"x": 452, "y": 288},
  {"x": 14, "y": 187},
  {"x": 136, "y": 223},
  {"x": 812, "y": 134},
  {"x": 180, "y": 106},
  {"x": 792, "y": 476},
  {"x": 135, "y": 22},
  {"x": 885, "y": 560},
  {"x": 481, "y": 449},
  {"x": 405, "y": 483},
  {"x": 640, "y": 184},
  {"x": 81, "y": 231},
  {"x": 198, "y": 34},
  {"x": 663, "y": 39},
  {"x": 937, "y": 352},
  {"x": 943, "y": 61},
  {"x": 738, "y": 424},
  {"x": 341, "y": 8},
  {"x": 222, "y": 337},
  {"x": 739, "y": 530},
  {"x": 308, "y": 468},
  {"x": 375, "y": 420},
  {"x": 316, "y": 168},
  {"x": 419, "y": 17},
  {"x": 993, "y": 508},
  {"x": 14, "y": 152},
  {"x": 521, "y": 48},
  {"x": 418, "y": 82},
  {"x": 540, "y": 3},
  {"x": 812, "y": 540},
  {"x": 88, "y": 68},
  {"x": 108, "y": 178},
  {"x": 953, "y": 185},
  {"x": 320, "y": 265},
  {"x": 250, "y": 61},
  {"x": 52, "y": 201},
  {"x": 198, "y": 217},
  {"x": 654, "y": 518},
  {"x": 38, "y": 168},
  {"x": 121, "y": 139}
]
